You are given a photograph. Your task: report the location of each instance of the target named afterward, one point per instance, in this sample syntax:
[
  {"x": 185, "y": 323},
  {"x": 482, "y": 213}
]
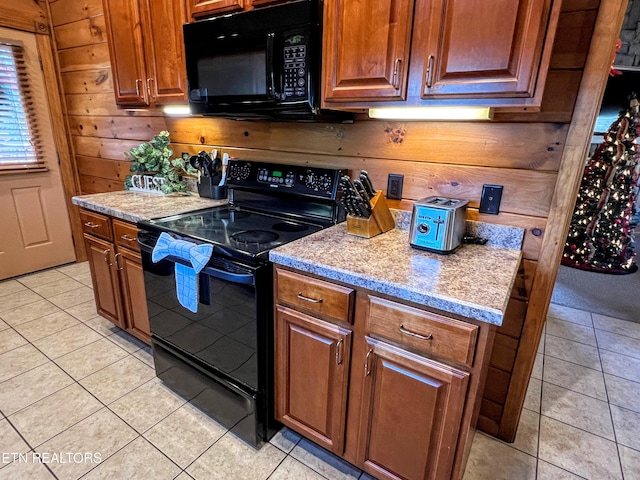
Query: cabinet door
[
  {"x": 164, "y": 51},
  {"x": 106, "y": 287},
  {"x": 366, "y": 49},
  {"x": 125, "y": 47},
  {"x": 201, "y": 8},
  {"x": 134, "y": 297},
  {"x": 410, "y": 417},
  {"x": 312, "y": 366},
  {"x": 469, "y": 48}
]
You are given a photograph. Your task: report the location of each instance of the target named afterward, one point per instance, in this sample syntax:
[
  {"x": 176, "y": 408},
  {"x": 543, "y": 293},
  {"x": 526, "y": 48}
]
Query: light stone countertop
[
  {"x": 475, "y": 281},
  {"x": 136, "y": 206}
]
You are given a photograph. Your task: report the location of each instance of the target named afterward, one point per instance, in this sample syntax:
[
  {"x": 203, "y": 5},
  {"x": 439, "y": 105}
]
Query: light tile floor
[{"x": 82, "y": 395}]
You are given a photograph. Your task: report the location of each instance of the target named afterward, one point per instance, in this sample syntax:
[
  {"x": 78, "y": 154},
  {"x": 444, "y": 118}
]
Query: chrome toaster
[{"x": 438, "y": 224}]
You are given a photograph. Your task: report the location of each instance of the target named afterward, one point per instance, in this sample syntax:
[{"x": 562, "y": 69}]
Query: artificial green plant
[{"x": 154, "y": 158}]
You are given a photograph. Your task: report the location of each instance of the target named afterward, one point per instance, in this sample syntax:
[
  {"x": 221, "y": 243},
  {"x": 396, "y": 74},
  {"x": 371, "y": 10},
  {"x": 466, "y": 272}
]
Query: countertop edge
[{"x": 450, "y": 305}]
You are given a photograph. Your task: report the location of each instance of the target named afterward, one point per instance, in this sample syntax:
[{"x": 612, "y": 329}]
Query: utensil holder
[
  {"x": 207, "y": 189},
  {"x": 379, "y": 221}
]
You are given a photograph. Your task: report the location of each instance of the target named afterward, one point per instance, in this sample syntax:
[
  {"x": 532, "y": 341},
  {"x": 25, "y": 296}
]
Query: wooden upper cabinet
[
  {"x": 410, "y": 416},
  {"x": 164, "y": 51},
  {"x": 366, "y": 49},
  {"x": 203, "y": 8},
  {"x": 125, "y": 46},
  {"x": 442, "y": 52},
  {"x": 471, "y": 49},
  {"x": 147, "y": 51}
]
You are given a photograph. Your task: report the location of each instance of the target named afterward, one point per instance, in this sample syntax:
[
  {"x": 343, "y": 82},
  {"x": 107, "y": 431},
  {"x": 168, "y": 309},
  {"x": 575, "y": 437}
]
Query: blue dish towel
[{"x": 186, "y": 277}]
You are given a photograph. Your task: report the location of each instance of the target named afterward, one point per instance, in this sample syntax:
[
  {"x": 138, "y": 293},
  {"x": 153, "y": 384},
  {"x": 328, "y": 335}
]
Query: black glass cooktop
[{"x": 233, "y": 228}]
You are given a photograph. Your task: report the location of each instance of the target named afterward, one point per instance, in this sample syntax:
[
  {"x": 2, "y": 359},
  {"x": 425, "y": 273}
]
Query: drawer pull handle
[
  {"x": 396, "y": 74},
  {"x": 91, "y": 225},
  {"x": 367, "y": 369},
  {"x": 127, "y": 238},
  {"x": 417, "y": 335},
  {"x": 339, "y": 351},
  {"x": 307, "y": 299},
  {"x": 118, "y": 267}
]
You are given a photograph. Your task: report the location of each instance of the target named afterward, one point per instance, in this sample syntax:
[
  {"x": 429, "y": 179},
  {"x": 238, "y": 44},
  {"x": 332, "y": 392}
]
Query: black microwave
[{"x": 263, "y": 63}]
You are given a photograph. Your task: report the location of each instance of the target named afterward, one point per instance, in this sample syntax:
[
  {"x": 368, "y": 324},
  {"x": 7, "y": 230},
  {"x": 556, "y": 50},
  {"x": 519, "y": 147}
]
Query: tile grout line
[{"x": 613, "y": 425}]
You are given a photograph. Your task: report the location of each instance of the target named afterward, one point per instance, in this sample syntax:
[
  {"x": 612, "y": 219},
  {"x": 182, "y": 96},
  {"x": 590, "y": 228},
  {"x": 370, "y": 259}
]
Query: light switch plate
[
  {"x": 490, "y": 199},
  {"x": 394, "y": 186}
]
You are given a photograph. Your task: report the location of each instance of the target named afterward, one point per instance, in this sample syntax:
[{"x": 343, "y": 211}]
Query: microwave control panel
[{"x": 295, "y": 67}]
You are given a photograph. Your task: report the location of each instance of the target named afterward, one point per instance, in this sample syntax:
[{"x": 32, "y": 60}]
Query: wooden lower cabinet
[
  {"x": 104, "y": 276},
  {"x": 133, "y": 294},
  {"x": 383, "y": 387},
  {"x": 311, "y": 376},
  {"x": 116, "y": 274},
  {"x": 411, "y": 412}
]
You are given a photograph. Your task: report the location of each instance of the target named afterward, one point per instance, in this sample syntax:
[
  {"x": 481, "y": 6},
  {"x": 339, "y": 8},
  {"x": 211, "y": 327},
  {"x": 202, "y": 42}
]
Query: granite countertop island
[
  {"x": 136, "y": 206},
  {"x": 475, "y": 281}
]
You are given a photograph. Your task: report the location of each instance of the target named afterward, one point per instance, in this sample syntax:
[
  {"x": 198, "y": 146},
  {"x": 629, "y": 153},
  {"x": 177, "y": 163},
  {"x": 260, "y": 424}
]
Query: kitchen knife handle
[
  {"x": 413, "y": 334},
  {"x": 396, "y": 74},
  {"x": 367, "y": 369},
  {"x": 307, "y": 299},
  {"x": 339, "y": 351},
  {"x": 429, "y": 70}
]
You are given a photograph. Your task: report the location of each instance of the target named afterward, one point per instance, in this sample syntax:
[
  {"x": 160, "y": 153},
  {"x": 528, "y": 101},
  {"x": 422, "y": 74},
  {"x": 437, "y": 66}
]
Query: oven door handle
[{"x": 244, "y": 278}]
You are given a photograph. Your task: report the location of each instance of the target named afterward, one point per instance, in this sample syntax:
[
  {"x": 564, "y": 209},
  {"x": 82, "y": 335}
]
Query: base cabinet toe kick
[{"x": 390, "y": 387}]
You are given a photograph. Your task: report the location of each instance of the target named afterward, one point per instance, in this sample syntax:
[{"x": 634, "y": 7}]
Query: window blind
[{"x": 20, "y": 142}]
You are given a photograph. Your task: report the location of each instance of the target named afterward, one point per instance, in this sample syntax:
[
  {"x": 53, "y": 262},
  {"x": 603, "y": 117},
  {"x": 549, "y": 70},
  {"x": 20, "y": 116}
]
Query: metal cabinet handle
[
  {"x": 307, "y": 299},
  {"x": 106, "y": 257},
  {"x": 151, "y": 96},
  {"x": 91, "y": 225},
  {"x": 118, "y": 267},
  {"x": 128, "y": 238},
  {"x": 396, "y": 74},
  {"x": 417, "y": 335},
  {"x": 367, "y": 369},
  {"x": 138, "y": 86},
  {"x": 339, "y": 351},
  {"x": 430, "y": 70}
]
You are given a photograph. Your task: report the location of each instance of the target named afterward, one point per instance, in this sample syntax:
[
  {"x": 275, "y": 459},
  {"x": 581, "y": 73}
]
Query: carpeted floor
[{"x": 612, "y": 295}]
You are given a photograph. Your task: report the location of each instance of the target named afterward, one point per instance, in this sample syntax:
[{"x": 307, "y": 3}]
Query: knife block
[{"x": 380, "y": 220}]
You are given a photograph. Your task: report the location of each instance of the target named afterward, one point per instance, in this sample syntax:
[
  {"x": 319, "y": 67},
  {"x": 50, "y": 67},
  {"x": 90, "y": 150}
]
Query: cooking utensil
[{"x": 225, "y": 162}]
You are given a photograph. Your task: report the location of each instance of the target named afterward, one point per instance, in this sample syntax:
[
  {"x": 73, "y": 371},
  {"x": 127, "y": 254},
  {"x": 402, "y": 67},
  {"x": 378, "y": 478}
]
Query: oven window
[
  {"x": 222, "y": 334},
  {"x": 234, "y": 74}
]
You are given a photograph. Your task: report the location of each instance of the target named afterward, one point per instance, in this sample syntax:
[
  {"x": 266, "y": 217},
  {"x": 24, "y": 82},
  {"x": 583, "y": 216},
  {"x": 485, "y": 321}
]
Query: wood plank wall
[{"x": 519, "y": 150}]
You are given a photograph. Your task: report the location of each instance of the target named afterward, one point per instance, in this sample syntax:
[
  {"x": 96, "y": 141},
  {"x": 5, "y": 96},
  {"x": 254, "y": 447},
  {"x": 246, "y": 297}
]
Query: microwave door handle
[{"x": 271, "y": 81}]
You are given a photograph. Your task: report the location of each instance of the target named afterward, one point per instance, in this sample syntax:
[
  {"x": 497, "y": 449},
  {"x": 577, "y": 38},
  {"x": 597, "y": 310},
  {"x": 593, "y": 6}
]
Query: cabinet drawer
[
  {"x": 126, "y": 235},
  {"x": 314, "y": 295},
  {"x": 96, "y": 224},
  {"x": 422, "y": 331}
]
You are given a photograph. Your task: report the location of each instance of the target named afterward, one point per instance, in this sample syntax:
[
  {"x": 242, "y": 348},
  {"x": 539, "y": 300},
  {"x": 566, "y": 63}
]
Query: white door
[{"x": 34, "y": 224}]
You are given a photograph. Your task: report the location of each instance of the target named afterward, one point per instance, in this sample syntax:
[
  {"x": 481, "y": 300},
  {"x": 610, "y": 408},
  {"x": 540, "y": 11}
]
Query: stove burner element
[
  {"x": 289, "y": 227},
  {"x": 254, "y": 236}
]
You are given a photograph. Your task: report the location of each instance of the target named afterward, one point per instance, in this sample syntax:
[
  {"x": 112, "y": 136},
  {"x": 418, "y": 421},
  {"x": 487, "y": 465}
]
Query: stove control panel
[{"x": 293, "y": 179}]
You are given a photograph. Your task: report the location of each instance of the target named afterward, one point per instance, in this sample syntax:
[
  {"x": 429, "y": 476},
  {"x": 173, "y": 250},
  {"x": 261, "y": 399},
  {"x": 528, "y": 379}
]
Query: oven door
[{"x": 221, "y": 358}]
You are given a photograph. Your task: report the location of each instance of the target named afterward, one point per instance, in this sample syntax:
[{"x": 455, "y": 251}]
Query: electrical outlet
[
  {"x": 490, "y": 199},
  {"x": 394, "y": 186}
]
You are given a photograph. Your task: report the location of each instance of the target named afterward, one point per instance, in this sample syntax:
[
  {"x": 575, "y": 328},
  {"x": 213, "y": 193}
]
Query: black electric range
[{"x": 220, "y": 357}]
